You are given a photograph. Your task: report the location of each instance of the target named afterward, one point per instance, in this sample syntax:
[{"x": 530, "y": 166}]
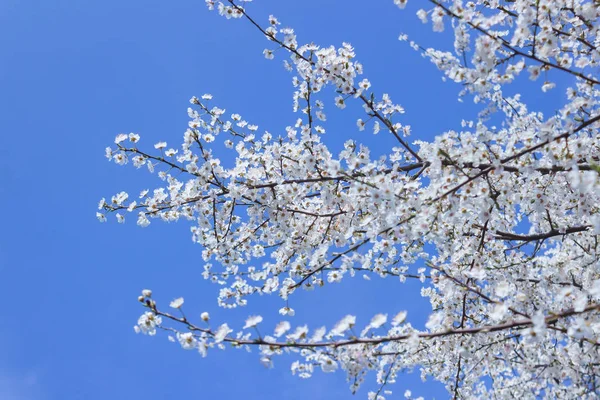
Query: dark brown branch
[
  {"x": 540, "y": 236},
  {"x": 516, "y": 324}
]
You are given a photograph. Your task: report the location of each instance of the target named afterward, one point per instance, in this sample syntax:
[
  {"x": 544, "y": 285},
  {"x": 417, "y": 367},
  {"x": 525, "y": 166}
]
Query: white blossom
[
  {"x": 282, "y": 328},
  {"x": 121, "y": 137},
  {"x": 399, "y": 318},
  {"x": 222, "y": 333},
  {"x": 341, "y": 327},
  {"x": 252, "y": 321},
  {"x": 134, "y": 137},
  {"x": 187, "y": 340},
  {"x": 328, "y": 365},
  {"x": 177, "y": 303},
  {"x": 147, "y": 323},
  {"x": 494, "y": 216}
]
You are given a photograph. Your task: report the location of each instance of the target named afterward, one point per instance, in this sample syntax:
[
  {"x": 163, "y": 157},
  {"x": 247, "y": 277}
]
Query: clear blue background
[{"x": 73, "y": 74}]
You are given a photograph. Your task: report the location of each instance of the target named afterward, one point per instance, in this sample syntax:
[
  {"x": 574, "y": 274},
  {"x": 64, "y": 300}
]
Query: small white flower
[
  {"x": 434, "y": 321},
  {"x": 121, "y": 137},
  {"x": 361, "y": 124},
  {"x": 502, "y": 289},
  {"x": 266, "y": 361},
  {"x": 334, "y": 277},
  {"x": 147, "y": 323},
  {"x": 547, "y": 86},
  {"x": 281, "y": 328},
  {"x": 287, "y": 311},
  {"x": 120, "y": 158},
  {"x": 131, "y": 206},
  {"x": 160, "y": 145},
  {"x": 143, "y": 221},
  {"x": 400, "y": 3},
  {"x": 399, "y": 318},
  {"x": 252, "y": 321},
  {"x": 534, "y": 72},
  {"x": 346, "y": 323},
  {"x": 318, "y": 334},
  {"x": 119, "y": 198},
  {"x": 268, "y": 54},
  {"x": 101, "y": 217},
  {"x": 364, "y": 84},
  {"x": 222, "y": 333},
  {"x": 134, "y": 138},
  {"x": 147, "y": 293},
  {"x": 299, "y": 333},
  {"x": 187, "y": 340},
  {"x": 204, "y": 316},
  {"x": 378, "y": 320},
  {"x": 328, "y": 365},
  {"x": 177, "y": 303}
]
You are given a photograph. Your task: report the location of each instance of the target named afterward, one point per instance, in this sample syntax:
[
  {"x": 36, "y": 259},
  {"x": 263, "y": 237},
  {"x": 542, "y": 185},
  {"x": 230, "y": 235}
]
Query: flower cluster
[{"x": 518, "y": 305}]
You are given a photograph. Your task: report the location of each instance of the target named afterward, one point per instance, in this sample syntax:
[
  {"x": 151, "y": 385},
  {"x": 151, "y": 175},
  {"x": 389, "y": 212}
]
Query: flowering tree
[{"x": 512, "y": 212}]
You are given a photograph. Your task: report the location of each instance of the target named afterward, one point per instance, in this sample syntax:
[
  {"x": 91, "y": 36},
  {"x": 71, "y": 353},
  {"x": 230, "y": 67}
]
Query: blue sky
[{"x": 74, "y": 74}]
